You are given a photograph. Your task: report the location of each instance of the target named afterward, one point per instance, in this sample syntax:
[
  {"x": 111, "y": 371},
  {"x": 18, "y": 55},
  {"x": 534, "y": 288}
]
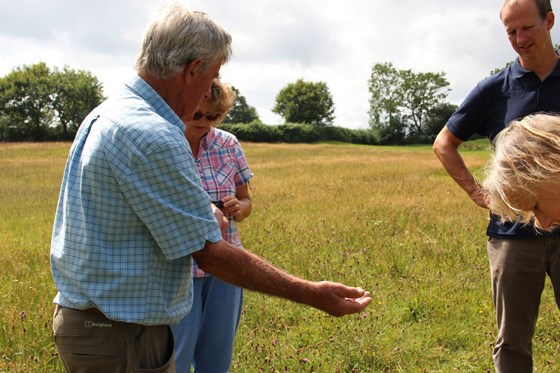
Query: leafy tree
[
  {"x": 35, "y": 100},
  {"x": 241, "y": 112},
  {"x": 392, "y": 132},
  {"x": 384, "y": 87},
  {"x": 422, "y": 93},
  {"x": 305, "y": 102},
  {"x": 436, "y": 119},
  {"x": 401, "y": 101},
  {"x": 7, "y": 129},
  {"x": 25, "y": 100},
  {"x": 76, "y": 93}
]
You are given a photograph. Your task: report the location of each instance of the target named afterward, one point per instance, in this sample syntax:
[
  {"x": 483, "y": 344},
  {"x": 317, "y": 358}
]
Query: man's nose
[{"x": 521, "y": 37}]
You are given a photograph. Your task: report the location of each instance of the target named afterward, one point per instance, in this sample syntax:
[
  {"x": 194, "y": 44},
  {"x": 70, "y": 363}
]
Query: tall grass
[
  {"x": 387, "y": 219},
  {"x": 30, "y": 176}
]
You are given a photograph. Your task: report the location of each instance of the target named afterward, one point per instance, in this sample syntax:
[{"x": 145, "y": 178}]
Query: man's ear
[
  {"x": 193, "y": 68},
  {"x": 550, "y": 20}
]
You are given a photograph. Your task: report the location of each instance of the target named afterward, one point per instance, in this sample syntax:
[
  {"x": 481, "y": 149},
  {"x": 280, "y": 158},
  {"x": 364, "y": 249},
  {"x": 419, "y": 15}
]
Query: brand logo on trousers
[{"x": 91, "y": 324}]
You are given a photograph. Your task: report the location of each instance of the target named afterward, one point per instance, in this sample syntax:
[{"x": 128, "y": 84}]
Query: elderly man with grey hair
[{"x": 132, "y": 213}]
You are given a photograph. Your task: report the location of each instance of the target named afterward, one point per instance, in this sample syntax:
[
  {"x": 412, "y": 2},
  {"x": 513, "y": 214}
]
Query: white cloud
[{"x": 275, "y": 42}]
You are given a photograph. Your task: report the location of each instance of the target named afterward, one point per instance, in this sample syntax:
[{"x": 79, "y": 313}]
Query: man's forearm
[
  {"x": 249, "y": 271},
  {"x": 456, "y": 168},
  {"x": 446, "y": 148},
  {"x": 242, "y": 268}
]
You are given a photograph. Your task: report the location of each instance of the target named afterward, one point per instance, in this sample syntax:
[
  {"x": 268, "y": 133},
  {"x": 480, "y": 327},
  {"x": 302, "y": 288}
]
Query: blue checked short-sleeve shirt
[{"x": 131, "y": 210}]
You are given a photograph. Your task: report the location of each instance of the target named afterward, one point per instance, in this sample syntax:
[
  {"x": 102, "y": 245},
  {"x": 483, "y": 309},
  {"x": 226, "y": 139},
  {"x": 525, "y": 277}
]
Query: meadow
[{"x": 388, "y": 219}]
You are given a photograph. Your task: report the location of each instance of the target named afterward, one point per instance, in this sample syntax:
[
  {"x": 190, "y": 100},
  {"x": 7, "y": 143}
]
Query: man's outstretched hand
[{"x": 340, "y": 300}]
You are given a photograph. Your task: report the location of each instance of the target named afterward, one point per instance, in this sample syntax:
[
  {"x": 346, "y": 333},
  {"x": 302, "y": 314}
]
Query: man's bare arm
[
  {"x": 242, "y": 268},
  {"x": 446, "y": 148}
]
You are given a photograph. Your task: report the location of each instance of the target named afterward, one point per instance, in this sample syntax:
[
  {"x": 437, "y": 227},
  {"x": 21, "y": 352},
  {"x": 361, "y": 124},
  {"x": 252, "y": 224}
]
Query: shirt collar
[
  {"x": 519, "y": 71},
  {"x": 207, "y": 140},
  {"x": 141, "y": 88}
]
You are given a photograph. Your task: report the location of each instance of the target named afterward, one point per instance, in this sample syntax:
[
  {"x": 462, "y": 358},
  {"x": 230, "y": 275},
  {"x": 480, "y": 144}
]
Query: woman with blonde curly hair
[
  {"x": 204, "y": 338},
  {"x": 524, "y": 174}
]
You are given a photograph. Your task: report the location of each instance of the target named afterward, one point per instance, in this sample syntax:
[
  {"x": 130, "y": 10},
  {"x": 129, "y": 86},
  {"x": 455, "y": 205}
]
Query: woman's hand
[
  {"x": 232, "y": 207},
  {"x": 239, "y": 206}
]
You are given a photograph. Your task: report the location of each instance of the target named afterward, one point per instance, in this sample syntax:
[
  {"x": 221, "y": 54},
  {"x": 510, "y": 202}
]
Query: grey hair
[
  {"x": 176, "y": 37},
  {"x": 526, "y": 160}
]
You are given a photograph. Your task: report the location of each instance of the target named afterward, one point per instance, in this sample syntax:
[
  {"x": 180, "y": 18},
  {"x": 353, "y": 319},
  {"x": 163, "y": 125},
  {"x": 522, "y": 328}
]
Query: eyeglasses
[{"x": 198, "y": 116}]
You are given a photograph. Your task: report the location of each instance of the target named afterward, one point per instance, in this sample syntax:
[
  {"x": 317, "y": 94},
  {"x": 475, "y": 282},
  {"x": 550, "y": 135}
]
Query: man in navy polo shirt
[{"x": 519, "y": 256}]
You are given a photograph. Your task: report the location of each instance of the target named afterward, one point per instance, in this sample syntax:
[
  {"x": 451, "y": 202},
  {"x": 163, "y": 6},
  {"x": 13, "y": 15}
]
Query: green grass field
[{"x": 388, "y": 219}]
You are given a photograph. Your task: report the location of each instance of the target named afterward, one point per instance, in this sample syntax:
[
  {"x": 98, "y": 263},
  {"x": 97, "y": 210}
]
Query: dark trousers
[
  {"x": 91, "y": 343},
  {"x": 519, "y": 269}
]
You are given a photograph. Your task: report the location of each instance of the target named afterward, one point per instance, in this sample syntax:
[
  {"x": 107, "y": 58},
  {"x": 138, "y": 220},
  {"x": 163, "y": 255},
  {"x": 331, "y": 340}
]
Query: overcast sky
[{"x": 275, "y": 42}]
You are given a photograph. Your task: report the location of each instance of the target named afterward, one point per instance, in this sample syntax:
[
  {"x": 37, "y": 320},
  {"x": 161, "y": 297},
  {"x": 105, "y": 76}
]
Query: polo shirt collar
[{"x": 519, "y": 71}]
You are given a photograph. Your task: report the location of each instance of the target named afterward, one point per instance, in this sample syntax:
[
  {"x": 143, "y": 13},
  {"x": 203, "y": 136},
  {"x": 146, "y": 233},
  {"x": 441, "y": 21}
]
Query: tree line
[{"x": 38, "y": 103}]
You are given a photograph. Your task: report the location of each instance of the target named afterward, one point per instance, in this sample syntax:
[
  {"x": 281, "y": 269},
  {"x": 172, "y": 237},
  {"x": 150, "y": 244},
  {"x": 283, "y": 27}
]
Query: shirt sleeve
[
  {"x": 165, "y": 190},
  {"x": 468, "y": 119},
  {"x": 244, "y": 174}
]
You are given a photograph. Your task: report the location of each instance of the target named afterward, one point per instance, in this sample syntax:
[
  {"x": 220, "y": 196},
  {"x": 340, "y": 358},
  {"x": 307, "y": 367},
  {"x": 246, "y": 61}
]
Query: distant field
[{"x": 385, "y": 218}]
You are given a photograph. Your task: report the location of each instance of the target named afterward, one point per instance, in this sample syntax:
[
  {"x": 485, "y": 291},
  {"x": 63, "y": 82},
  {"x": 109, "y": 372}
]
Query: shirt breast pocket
[{"x": 225, "y": 174}]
